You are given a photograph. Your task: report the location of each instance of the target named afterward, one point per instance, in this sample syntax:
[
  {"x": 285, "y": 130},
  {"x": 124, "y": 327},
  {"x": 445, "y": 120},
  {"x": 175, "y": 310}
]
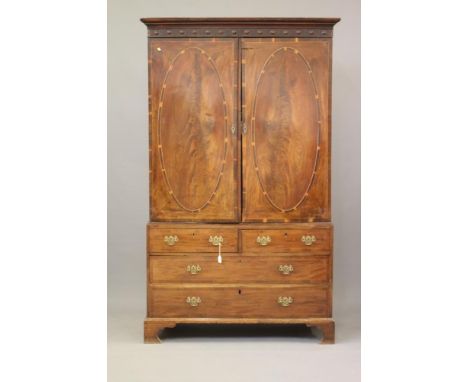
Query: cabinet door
[
  {"x": 286, "y": 145},
  {"x": 193, "y": 117}
]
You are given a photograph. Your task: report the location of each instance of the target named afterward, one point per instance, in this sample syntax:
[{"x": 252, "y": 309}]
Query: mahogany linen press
[{"x": 239, "y": 165}]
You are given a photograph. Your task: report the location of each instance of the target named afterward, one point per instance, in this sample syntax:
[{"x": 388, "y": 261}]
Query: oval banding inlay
[
  {"x": 195, "y": 133},
  {"x": 285, "y": 128}
]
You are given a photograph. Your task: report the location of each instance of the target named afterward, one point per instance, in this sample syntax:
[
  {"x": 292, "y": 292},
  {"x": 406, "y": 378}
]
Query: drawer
[
  {"x": 191, "y": 239},
  {"x": 267, "y": 301},
  {"x": 315, "y": 240},
  {"x": 235, "y": 268}
]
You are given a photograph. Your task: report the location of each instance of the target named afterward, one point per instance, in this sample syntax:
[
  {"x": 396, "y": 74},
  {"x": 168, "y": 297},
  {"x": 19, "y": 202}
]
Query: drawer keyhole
[{"x": 240, "y": 291}]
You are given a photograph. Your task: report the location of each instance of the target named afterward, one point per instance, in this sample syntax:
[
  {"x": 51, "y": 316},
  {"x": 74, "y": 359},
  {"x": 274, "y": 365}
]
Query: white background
[
  {"x": 128, "y": 209},
  {"x": 128, "y": 206},
  {"x": 53, "y": 204}
]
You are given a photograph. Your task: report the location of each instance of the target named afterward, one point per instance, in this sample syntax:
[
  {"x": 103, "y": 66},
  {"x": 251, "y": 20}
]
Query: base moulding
[{"x": 153, "y": 326}]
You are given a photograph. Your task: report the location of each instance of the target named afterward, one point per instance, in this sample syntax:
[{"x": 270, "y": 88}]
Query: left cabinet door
[{"x": 193, "y": 98}]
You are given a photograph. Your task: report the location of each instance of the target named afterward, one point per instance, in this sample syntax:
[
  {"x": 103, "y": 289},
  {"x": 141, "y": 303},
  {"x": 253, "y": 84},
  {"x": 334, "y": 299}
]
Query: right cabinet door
[{"x": 286, "y": 141}]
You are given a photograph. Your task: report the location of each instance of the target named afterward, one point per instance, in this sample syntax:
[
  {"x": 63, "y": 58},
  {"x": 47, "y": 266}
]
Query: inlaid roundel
[
  {"x": 194, "y": 136},
  {"x": 285, "y": 154},
  {"x": 285, "y": 129},
  {"x": 194, "y": 149}
]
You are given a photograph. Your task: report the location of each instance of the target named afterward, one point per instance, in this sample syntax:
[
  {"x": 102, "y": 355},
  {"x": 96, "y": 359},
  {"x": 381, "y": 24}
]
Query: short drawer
[
  {"x": 236, "y": 268},
  {"x": 266, "y": 301},
  {"x": 192, "y": 239},
  {"x": 315, "y": 240}
]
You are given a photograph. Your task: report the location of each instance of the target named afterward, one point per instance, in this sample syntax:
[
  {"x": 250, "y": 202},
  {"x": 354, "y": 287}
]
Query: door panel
[
  {"x": 194, "y": 154},
  {"x": 286, "y": 114}
]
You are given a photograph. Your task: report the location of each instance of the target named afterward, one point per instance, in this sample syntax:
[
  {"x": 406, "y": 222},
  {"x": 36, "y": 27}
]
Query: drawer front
[
  {"x": 192, "y": 239},
  {"x": 315, "y": 240},
  {"x": 267, "y": 301},
  {"x": 235, "y": 268}
]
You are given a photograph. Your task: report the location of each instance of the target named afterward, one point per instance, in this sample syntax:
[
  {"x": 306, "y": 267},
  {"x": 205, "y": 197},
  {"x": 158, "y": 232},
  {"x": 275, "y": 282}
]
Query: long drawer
[
  {"x": 178, "y": 239},
  {"x": 273, "y": 301},
  {"x": 236, "y": 268},
  {"x": 312, "y": 240}
]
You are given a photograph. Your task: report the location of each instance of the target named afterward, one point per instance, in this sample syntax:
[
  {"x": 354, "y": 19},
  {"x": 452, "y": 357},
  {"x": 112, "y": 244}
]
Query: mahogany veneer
[{"x": 239, "y": 146}]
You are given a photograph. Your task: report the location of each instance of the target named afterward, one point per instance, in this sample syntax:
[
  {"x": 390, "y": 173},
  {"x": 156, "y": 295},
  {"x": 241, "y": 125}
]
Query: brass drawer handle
[
  {"x": 193, "y": 301},
  {"x": 308, "y": 240},
  {"x": 216, "y": 240},
  {"x": 263, "y": 240},
  {"x": 286, "y": 269},
  {"x": 285, "y": 300},
  {"x": 171, "y": 239},
  {"x": 193, "y": 269}
]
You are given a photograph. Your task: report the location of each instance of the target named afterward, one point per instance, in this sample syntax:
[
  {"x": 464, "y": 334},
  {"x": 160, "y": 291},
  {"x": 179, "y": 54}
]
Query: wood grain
[
  {"x": 211, "y": 79},
  {"x": 286, "y": 146},
  {"x": 192, "y": 239},
  {"x": 227, "y": 300},
  {"x": 259, "y": 269},
  {"x": 287, "y": 240},
  {"x": 152, "y": 329},
  {"x": 241, "y": 225},
  {"x": 285, "y": 129},
  {"x": 328, "y": 331},
  {"x": 195, "y": 22},
  {"x": 242, "y": 27},
  {"x": 325, "y": 325},
  {"x": 194, "y": 162}
]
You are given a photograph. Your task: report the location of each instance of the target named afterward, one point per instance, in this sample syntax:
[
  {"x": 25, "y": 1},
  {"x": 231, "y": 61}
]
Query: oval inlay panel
[
  {"x": 286, "y": 128},
  {"x": 192, "y": 127}
]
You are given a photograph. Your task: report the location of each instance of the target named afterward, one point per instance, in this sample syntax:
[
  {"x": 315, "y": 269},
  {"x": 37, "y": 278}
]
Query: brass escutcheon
[
  {"x": 216, "y": 240},
  {"x": 263, "y": 240},
  {"x": 285, "y": 300},
  {"x": 193, "y": 301},
  {"x": 308, "y": 240},
  {"x": 193, "y": 269},
  {"x": 286, "y": 269},
  {"x": 171, "y": 239}
]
